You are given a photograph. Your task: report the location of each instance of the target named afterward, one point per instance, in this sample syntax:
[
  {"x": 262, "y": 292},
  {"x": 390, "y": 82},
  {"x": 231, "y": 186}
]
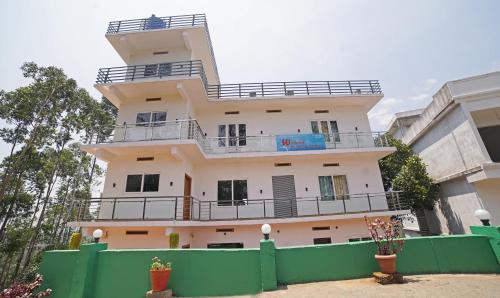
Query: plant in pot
[
  {"x": 386, "y": 237},
  {"x": 159, "y": 274},
  {"x": 173, "y": 240}
]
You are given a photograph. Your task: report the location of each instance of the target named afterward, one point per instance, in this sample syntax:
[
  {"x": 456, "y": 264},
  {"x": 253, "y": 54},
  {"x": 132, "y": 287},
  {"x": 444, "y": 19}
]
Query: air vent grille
[
  {"x": 283, "y": 164},
  {"x": 148, "y": 158}
]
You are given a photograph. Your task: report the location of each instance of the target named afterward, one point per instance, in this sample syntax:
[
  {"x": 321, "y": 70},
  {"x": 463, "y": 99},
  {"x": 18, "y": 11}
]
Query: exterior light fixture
[
  {"x": 266, "y": 230},
  {"x": 483, "y": 215},
  {"x": 97, "y": 234}
]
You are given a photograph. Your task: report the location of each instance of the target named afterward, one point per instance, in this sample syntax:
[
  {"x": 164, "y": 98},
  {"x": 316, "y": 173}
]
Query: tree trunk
[
  {"x": 6, "y": 219},
  {"x": 40, "y": 221},
  {"x": 5, "y": 271}
]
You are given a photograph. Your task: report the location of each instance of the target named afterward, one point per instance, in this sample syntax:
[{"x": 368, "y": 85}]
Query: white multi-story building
[
  {"x": 458, "y": 137},
  {"x": 213, "y": 162}
]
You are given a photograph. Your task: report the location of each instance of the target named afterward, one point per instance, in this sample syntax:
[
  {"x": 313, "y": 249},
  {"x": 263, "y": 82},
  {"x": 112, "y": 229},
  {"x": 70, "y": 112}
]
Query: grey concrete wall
[
  {"x": 454, "y": 212},
  {"x": 449, "y": 146},
  {"x": 489, "y": 192}
]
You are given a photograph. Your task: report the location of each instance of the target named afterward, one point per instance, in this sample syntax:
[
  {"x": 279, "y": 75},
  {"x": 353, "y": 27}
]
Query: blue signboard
[{"x": 297, "y": 142}]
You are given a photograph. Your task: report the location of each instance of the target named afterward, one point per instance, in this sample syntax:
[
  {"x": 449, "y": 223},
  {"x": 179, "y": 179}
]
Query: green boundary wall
[{"x": 94, "y": 271}]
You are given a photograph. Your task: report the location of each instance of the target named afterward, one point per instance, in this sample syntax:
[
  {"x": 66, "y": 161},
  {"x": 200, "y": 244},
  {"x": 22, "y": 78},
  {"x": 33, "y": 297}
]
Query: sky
[{"x": 412, "y": 47}]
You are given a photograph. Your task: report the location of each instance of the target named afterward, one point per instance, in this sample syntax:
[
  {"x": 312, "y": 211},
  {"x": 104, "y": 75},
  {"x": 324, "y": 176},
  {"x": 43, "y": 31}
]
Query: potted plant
[
  {"x": 388, "y": 243},
  {"x": 173, "y": 240},
  {"x": 159, "y": 274}
]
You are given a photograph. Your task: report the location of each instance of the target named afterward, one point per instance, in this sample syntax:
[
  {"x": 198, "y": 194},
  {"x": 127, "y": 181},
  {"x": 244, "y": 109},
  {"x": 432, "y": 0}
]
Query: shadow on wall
[
  {"x": 454, "y": 210},
  {"x": 453, "y": 221}
]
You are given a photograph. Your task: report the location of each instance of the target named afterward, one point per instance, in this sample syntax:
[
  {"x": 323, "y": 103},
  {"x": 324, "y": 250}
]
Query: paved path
[{"x": 443, "y": 285}]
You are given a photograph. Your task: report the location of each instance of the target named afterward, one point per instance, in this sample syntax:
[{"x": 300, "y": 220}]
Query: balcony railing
[
  {"x": 268, "y": 143},
  {"x": 154, "y": 22},
  {"x": 151, "y": 131},
  {"x": 189, "y": 129},
  {"x": 148, "y": 71},
  {"x": 305, "y": 88},
  {"x": 189, "y": 208},
  {"x": 236, "y": 91}
]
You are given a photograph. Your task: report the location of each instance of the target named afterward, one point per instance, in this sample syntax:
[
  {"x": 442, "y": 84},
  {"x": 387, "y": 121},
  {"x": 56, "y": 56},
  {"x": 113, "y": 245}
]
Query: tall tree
[
  {"x": 45, "y": 176},
  {"x": 404, "y": 171},
  {"x": 392, "y": 164},
  {"x": 416, "y": 184}
]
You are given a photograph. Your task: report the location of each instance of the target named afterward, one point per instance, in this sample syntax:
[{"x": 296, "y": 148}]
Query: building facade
[
  {"x": 213, "y": 162},
  {"x": 458, "y": 137}
]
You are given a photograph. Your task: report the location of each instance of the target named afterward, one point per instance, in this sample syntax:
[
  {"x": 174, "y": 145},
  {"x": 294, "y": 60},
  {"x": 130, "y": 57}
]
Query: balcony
[
  {"x": 155, "y": 23},
  {"x": 304, "y": 88},
  {"x": 190, "y": 130},
  {"x": 191, "y": 209},
  {"x": 188, "y": 33},
  {"x": 162, "y": 130},
  {"x": 151, "y": 71}
]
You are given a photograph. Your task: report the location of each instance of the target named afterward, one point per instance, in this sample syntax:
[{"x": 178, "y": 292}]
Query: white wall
[
  {"x": 175, "y": 107},
  {"x": 360, "y": 172},
  {"x": 175, "y": 54},
  {"x": 289, "y": 121},
  {"x": 289, "y": 234}
]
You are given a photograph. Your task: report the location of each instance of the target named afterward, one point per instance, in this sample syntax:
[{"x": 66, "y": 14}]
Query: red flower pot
[
  {"x": 387, "y": 264},
  {"x": 159, "y": 279}
]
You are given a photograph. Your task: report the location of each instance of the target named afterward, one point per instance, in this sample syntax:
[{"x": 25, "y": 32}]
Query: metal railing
[
  {"x": 190, "y": 208},
  {"x": 151, "y": 131},
  {"x": 305, "y": 88},
  {"x": 267, "y": 143},
  {"x": 148, "y": 71},
  {"x": 236, "y": 91},
  {"x": 190, "y": 129},
  {"x": 153, "y": 22}
]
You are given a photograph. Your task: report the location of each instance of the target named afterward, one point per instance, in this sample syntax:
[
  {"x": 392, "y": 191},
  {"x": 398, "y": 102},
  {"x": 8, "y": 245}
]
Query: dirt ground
[{"x": 444, "y": 285}]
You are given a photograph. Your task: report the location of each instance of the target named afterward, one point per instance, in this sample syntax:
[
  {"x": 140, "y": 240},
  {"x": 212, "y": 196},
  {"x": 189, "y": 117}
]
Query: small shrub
[
  {"x": 158, "y": 265},
  {"x": 174, "y": 240},
  {"x": 74, "y": 241},
  {"x": 25, "y": 290},
  {"x": 385, "y": 236}
]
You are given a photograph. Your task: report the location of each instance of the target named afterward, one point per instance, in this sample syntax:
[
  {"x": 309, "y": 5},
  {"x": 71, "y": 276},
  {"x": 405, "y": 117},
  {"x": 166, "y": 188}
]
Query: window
[
  {"x": 150, "y": 70},
  {"x": 150, "y": 183},
  {"x": 164, "y": 69},
  {"x": 232, "y": 134},
  {"x": 156, "y": 118},
  {"x": 327, "y": 128},
  {"x": 326, "y": 187},
  {"x": 133, "y": 183},
  {"x": 325, "y": 240},
  {"x": 142, "y": 118},
  {"x": 232, "y": 192},
  {"x": 333, "y": 187}
]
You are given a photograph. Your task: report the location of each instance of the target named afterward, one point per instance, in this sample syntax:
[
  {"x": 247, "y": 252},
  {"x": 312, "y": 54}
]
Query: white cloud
[
  {"x": 420, "y": 97},
  {"x": 389, "y": 101},
  {"x": 429, "y": 84},
  {"x": 430, "y": 81},
  {"x": 381, "y": 116}
]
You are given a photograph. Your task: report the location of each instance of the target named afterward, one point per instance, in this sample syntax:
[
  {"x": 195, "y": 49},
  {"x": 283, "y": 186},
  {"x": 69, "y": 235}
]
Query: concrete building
[
  {"x": 458, "y": 137},
  {"x": 213, "y": 162}
]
